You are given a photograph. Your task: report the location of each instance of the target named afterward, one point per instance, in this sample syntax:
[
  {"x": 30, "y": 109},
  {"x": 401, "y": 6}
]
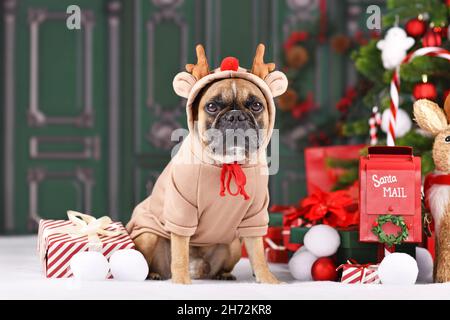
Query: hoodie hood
[{"x": 186, "y": 86}]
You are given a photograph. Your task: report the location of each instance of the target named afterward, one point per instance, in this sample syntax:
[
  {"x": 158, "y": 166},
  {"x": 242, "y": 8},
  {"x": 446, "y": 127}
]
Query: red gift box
[
  {"x": 353, "y": 272},
  {"x": 273, "y": 246},
  {"x": 60, "y": 240},
  {"x": 390, "y": 185},
  {"x": 318, "y": 174}
]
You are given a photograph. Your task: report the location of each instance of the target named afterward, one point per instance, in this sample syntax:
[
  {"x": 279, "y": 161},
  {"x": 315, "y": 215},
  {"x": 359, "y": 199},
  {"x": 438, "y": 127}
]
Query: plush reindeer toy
[{"x": 431, "y": 118}]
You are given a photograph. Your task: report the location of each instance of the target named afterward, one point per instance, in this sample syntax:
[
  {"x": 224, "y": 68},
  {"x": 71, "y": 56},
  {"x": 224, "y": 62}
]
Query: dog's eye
[
  {"x": 256, "y": 107},
  {"x": 447, "y": 139},
  {"x": 211, "y": 108}
]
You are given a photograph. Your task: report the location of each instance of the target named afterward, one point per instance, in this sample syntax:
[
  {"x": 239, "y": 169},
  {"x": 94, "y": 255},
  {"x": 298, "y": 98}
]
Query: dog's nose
[{"x": 235, "y": 116}]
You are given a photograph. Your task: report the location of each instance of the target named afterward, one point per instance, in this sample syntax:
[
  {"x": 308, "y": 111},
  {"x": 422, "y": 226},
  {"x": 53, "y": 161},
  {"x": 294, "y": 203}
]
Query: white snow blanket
[{"x": 21, "y": 277}]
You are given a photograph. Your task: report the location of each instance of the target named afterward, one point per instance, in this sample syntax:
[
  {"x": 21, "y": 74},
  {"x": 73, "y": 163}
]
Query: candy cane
[
  {"x": 395, "y": 85},
  {"x": 374, "y": 122}
]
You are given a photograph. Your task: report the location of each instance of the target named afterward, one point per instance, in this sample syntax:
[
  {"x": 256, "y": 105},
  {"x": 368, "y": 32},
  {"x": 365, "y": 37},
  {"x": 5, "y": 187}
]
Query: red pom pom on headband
[{"x": 229, "y": 63}]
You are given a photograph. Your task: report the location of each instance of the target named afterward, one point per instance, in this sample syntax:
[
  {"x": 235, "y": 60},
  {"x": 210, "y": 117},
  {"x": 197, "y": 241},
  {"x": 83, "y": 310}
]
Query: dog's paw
[
  {"x": 267, "y": 278},
  {"x": 154, "y": 276},
  {"x": 181, "y": 279},
  {"x": 225, "y": 276}
]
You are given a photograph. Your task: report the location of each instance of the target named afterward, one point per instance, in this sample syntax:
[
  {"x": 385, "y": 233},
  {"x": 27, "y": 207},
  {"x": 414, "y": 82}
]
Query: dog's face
[{"x": 232, "y": 118}]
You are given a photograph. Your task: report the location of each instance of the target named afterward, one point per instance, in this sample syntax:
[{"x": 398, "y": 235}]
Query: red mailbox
[{"x": 390, "y": 196}]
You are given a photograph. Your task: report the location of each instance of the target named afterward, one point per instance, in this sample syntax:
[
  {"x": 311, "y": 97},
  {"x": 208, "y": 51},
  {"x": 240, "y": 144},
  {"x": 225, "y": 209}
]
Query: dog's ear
[
  {"x": 183, "y": 83},
  {"x": 429, "y": 116},
  {"x": 277, "y": 82}
]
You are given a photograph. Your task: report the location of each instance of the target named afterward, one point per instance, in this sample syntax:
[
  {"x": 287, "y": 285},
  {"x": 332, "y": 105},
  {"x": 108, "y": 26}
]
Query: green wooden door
[{"x": 60, "y": 110}]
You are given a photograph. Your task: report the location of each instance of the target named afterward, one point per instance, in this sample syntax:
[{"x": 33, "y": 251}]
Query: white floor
[{"x": 21, "y": 278}]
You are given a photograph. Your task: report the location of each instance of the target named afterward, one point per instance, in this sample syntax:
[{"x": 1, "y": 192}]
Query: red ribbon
[
  {"x": 336, "y": 209},
  {"x": 233, "y": 170}
]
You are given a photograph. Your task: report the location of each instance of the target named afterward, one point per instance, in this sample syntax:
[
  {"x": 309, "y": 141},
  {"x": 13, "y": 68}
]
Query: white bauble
[
  {"x": 425, "y": 264},
  {"x": 403, "y": 122},
  {"x": 398, "y": 268},
  {"x": 301, "y": 249},
  {"x": 128, "y": 265},
  {"x": 300, "y": 265},
  {"x": 89, "y": 265},
  {"x": 394, "y": 47},
  {"x": 322, "y": 240}
]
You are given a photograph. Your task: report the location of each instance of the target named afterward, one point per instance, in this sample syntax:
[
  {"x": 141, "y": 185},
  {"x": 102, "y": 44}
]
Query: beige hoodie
[{"x": 186, "y": 198}]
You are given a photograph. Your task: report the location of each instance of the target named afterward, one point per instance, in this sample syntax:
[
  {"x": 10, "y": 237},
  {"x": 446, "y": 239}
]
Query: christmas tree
[{"x": 408, "y": 26}]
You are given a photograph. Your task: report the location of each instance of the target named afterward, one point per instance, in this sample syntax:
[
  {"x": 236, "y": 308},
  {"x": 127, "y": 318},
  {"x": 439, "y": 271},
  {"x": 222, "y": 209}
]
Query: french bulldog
[{"x": 190, "y": 227}]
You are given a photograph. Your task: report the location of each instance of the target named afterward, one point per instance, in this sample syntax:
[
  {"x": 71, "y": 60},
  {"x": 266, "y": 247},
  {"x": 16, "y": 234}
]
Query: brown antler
[
  {"x": 260, "y": 68},
  {"x": 200, "y": 69}
]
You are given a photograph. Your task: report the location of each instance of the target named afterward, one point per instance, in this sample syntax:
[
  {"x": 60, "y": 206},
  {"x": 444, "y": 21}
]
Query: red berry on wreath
[
  {"x": 415, "y": 27},
  {"x": 324, "y": 269}
]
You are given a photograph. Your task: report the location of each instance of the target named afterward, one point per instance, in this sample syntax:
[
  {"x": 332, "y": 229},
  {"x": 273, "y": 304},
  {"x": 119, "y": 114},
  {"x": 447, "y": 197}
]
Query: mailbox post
[{"x": 390, "y": 196}]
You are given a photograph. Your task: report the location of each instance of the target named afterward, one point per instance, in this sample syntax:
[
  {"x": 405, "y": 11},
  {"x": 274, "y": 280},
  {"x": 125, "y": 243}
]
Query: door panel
[
  {"x": 61, "y": 108},
  {"x": 165, "y": 34}
]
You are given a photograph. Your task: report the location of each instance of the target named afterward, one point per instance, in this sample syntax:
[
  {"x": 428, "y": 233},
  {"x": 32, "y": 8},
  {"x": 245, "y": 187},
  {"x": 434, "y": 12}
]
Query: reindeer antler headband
[{"x": 261, "y": 73}]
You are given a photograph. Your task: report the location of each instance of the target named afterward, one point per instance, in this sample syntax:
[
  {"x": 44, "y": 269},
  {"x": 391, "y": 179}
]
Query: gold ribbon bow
[{"x": 86, "y": 225}]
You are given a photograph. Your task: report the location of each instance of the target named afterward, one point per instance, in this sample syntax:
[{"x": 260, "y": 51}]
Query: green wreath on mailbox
[{"x": 390, "y": 239}]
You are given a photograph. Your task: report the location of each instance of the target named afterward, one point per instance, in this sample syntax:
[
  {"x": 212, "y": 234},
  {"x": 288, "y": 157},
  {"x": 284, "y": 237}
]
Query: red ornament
[
  {"x": 324, "y": 269},
  {"x": 425, "y": 91},
  {"x": 442, "y": 31},
  {"x": 229, "y": 63},
  {"x": 415, "y": 27},
  {"x": 432, "y": 39}
]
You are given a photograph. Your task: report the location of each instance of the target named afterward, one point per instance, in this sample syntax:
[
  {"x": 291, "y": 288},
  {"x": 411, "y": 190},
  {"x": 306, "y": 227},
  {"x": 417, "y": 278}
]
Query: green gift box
[
  {"x": 352, "y": 248},
  {"x": 275, "y": 219},
  {"x": 298, "y": 234},
  {"x": 364, "y": 252}
]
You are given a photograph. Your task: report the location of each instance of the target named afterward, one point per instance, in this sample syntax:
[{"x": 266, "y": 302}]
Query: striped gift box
[
  {"x": 358, "y": 273},
  {"x": 55, "y": 250}
]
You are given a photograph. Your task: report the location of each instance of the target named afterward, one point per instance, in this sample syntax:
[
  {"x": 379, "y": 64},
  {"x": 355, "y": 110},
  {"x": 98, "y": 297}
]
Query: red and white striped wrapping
[
  {"x": 56, "y": 250},
  {"x": 274, "y": 252},
  {"x": 395, "y": 85},
  {"x": 357, "y": 273}
]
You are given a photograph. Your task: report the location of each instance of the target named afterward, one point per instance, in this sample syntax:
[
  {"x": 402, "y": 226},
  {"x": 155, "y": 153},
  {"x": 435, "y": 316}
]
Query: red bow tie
[{"x": 233, "y": 170}]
